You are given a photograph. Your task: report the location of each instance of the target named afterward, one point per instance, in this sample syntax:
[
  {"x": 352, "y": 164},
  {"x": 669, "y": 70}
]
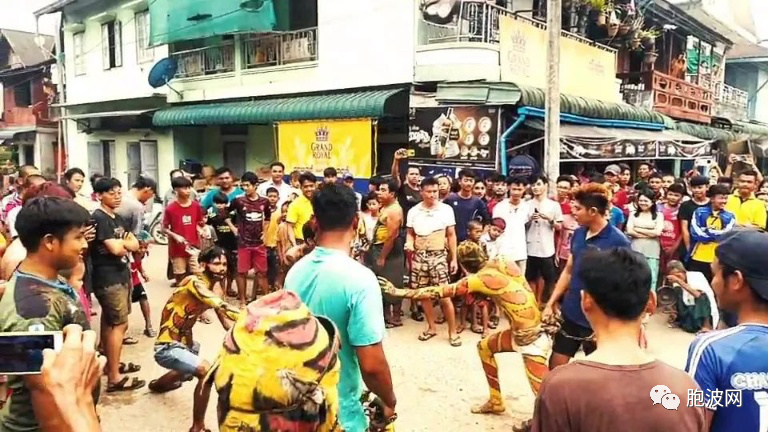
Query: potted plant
[
  {"x": 648, "y": 38},
  {"x": 650, "y": 57},
  {"x": 602, "y": 7},
  {"x": 634, "y": 41}
]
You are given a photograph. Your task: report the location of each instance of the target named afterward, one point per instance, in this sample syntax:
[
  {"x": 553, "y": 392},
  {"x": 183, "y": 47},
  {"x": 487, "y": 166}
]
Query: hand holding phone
[{"x": 21, "y": 353}]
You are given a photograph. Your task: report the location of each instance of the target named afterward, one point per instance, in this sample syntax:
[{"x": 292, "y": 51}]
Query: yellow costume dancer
[
  {"x": 502, "y": 282},
  {"x": 278, "y": 369}
]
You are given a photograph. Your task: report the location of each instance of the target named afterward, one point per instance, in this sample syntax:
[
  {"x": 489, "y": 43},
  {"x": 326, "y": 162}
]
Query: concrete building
[{"x": 28, "y": 133}]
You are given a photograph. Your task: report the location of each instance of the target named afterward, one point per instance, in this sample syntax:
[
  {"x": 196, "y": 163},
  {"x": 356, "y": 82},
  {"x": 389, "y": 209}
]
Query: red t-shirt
[
  {"x": 672, "y": 230},
  {"x": 184, "y": 222}
]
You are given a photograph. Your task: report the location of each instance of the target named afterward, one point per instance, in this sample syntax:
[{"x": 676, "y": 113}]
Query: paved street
[{"x": 435, "y": 383}]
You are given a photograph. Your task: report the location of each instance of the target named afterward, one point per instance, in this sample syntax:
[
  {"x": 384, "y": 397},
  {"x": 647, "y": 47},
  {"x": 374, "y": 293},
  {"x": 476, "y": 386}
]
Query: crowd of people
[{"x": 578, "y": 270}]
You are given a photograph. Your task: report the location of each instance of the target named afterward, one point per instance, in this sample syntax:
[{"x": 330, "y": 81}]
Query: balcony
[
  {"x": 465, "y": 49},
  {"x": 731, "y": 102},
  {"x": 205, "y": 61},
  {"x": 671, "y": 96},
  {"x": 257, "y": 51},
  {"x": 265, "y": 50},
  {"x": 26, "y": 116}
]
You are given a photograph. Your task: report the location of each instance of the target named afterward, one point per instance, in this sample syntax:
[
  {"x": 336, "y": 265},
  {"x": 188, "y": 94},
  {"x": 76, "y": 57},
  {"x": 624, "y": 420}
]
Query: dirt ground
[{"x": 435, "y": 383}]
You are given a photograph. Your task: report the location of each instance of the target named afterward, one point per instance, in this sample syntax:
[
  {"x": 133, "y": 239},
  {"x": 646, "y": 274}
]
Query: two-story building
[
  {"x": 28, "y": 134},
  {"x": 107, "y": 102}
]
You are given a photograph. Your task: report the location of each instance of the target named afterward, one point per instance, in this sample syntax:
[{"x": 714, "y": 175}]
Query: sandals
[
  {"x": 493, "y": 322},
  {"x": 417, "y": 316},
  {"x": 150, "y": 332},
  {"x": 125, "y": 384},
  {"x": 440, "y": 320},
  {"x": 154, "y": 389},
  {"x": 128, "y": 340},
  {"x": 425, "y": 336},
  {"x": 128, "y": 368},
  {"x": 455, "y": 341},
  {"x": 477, "y": 329},
  {"x": 390, "y": 324}
]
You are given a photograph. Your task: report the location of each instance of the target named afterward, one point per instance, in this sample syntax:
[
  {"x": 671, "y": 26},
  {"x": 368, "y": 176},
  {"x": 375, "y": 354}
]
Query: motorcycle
[{"x": 153, "y": 223}]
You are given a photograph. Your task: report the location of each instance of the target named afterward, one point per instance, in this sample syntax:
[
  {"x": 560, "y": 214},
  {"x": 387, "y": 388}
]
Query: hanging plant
[
  {"x": 648, "y": 38},
  {"x": 634, "y": 43}
]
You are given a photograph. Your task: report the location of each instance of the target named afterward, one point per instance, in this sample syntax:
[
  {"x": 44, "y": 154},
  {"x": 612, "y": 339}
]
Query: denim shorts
[{"x": 178, "y": 357}]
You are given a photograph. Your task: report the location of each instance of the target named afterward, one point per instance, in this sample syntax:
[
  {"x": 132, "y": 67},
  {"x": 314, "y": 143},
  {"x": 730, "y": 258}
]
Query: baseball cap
[
  {"x": 612, "y": 169},
  {"x": 348, "y": 176},
  {"x": 745, "y": 250}
]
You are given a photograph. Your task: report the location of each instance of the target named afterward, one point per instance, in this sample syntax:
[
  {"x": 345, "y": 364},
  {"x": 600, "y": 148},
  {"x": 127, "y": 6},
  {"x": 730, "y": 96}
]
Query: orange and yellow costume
[{"x": 503, "y": 283}]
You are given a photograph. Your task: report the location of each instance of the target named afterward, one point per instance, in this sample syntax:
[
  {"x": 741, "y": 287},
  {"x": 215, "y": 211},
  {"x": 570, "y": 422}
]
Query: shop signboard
[
  {"x": 586, "y": 69},
  {"x": 571, "y": 150},
  {"x": 454, "y": 135},
  {"x": 316, "y": 145}
]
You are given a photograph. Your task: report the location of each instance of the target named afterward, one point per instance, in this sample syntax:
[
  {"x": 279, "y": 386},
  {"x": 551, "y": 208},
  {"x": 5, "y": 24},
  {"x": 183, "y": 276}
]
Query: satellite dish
[{"x": 162, "y": 73}]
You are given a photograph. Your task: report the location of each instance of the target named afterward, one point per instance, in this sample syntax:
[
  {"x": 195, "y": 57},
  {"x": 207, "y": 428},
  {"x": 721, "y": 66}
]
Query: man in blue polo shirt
[
  {"x": 731, "y": 365},
  {"x": 589, "y": 208}
]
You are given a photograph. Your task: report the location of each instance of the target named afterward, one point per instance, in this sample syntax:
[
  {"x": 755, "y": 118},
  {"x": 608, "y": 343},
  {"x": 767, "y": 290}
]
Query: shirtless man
[
  {"x": 175, "y": 348},
  {"x": 387, "y": 251},
  {"x": 504, "y": 283}
]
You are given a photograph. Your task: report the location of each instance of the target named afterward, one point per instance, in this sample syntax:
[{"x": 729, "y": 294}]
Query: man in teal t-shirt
[
  {"x": 334, "y": 285},
  {"x": 226, "y": 184}
]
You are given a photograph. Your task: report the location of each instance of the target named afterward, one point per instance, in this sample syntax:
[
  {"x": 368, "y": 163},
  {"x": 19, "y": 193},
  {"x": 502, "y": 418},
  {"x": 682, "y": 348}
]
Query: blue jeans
[{"x": 178, "y": 357}]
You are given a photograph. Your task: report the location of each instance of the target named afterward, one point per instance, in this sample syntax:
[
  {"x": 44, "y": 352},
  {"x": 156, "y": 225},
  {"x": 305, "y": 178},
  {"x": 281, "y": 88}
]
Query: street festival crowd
[{"x": 581, "y": 270}]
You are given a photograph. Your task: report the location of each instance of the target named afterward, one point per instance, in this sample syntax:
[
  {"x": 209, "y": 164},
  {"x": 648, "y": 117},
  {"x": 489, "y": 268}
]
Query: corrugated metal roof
[
  {"x": 23, "y": 44},
  {"x": 330, "y": 106}
]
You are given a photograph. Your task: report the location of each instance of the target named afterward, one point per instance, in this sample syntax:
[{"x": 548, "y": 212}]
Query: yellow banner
[
  {"x": 585, "y": 70},
  {"x": 346, "y": 145}
]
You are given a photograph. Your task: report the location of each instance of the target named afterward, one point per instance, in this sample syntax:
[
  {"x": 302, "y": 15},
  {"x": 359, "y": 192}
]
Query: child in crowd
[
  {"x": 490, "y": 239},
  {"x": 301, "y": 250},
  {"x": 490, "y": 242},
  {"x": 76, "y": 279},
  {"x": 283, "y": 243},
  {"x": 217, "y": 218},
  {"x": 475, "y": 304},
  {"x": 270, "y": 238},
  {"x": 615, "y": 214},
  {"x": 139, "y": 294}
]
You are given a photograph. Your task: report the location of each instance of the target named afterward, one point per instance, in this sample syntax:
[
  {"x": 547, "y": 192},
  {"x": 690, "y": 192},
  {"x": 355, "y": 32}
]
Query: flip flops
[
  {"x": 154, "y": 389},
  {"x": 425, "y": 336}
]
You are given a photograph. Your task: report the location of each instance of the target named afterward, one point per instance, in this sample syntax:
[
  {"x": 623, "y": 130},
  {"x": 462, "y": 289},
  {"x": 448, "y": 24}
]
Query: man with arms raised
[
  {"x": 732, "y": 363},
  {"x": 589, "y": 208},
  {"x": 584, "y": 395},
  {"x": 334, "y": 285}
]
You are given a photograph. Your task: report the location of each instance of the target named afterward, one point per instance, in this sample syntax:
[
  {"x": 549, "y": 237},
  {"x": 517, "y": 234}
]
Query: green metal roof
[
  {"x": 501, "y": 93},
  {"x": 376, "y": 103},
  {"x": 708, "y": 133}
]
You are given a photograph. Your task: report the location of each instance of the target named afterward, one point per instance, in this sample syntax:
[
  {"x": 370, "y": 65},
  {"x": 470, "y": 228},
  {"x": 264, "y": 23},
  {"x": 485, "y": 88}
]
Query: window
[
  {"x": 77, "y": 42},
  {"x": 22, "y": 94},
  {"x": 144, "y": 53},
  {"x": 112, "y": 44}
]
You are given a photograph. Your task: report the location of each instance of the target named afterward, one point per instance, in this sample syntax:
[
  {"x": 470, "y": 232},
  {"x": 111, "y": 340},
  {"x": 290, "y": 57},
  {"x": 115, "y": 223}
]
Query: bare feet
[{"x": 489, "y": 407}]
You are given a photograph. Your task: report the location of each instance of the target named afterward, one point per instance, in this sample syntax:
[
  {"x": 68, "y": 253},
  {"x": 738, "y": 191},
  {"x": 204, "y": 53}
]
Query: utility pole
[{"x": 552, "y": 105}]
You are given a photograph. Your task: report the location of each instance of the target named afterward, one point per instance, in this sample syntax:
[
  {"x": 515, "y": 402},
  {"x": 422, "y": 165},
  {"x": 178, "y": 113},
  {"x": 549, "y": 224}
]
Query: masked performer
[
  {"x": 502, "y": 282},
  {"x": 175, "y": 348},
  {"x": 277, "y": 370}
]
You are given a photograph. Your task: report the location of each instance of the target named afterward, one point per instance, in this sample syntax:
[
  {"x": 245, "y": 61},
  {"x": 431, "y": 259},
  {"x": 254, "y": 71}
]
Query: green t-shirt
[{"x": 33, "y": 304}]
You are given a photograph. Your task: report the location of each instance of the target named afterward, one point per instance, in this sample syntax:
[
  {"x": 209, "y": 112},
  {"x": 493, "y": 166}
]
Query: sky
[{"x": 17, "y": 15}]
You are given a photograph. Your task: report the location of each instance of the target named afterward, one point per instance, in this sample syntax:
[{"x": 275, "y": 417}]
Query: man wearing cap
[
  {"x": 620, "y": 197},
  {"x": 349, "y": 181},
  {"x": 730, "y": 365}
]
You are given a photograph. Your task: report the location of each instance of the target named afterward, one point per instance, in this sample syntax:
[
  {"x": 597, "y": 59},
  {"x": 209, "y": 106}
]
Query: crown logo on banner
[{"x": 322, "y": 134}]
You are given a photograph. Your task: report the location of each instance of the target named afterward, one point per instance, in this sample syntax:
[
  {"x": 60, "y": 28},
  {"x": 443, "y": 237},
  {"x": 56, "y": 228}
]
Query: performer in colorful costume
[
  {"x": 502, "y": 282},
  {"x": 278, "y": 370}
]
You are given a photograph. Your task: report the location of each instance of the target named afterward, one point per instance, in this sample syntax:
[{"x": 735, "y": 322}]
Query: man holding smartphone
[{"x": 112, "y": 281}]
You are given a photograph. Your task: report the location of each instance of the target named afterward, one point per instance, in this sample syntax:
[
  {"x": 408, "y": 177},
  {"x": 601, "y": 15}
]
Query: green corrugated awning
[
  {"x": 374, "y": 104},
  {"x": 708, "y": 133},
  {"x": 501, "y": 93}
]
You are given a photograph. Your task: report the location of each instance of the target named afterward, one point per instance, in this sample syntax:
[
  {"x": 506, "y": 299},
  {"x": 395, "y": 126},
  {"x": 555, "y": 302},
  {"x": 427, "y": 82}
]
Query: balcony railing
[
  {"x": 479, "y": 22},
  {"x": 731, "y": 102},
  {"x": 206, "y": 61},
  {"x": 671, "y": 96},
  {"x": 264, "y": 50}
]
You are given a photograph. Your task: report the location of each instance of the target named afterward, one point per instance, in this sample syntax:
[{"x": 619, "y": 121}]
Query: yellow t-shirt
[
  {"x": 705, "y": 252},
  {"x": 270, "y": 236},
  {"x": 299, "y": 212},
  {"x": 750, "y": 212}
]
